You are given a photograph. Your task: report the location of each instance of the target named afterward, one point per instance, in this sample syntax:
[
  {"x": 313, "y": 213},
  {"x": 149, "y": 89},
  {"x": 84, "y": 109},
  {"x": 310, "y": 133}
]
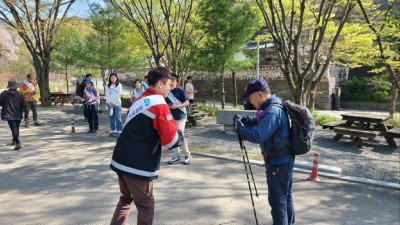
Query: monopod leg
[
  {"x": 243, "y": 149},
  {"x": 251, "y": 172}
]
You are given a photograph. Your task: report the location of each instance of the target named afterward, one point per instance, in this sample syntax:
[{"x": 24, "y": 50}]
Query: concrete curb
[{"x": 304, "y": 167}]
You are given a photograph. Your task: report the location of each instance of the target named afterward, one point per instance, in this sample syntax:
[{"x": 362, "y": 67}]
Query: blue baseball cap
[
  {"x": 87, "y": 80},
  {"x": 254, "y": 86}
]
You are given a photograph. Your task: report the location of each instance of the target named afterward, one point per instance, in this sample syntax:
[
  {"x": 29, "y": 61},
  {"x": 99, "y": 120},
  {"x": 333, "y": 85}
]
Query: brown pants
[{"x": 136, "y": 191}]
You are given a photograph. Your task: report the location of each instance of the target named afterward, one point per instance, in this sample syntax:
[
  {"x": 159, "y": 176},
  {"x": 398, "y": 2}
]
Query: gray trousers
[{"x": 32, "y": 106}]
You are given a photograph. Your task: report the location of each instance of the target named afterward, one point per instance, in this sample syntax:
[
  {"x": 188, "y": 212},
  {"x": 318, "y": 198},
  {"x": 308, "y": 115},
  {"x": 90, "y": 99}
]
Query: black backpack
[{"x": 302, "y": 127}]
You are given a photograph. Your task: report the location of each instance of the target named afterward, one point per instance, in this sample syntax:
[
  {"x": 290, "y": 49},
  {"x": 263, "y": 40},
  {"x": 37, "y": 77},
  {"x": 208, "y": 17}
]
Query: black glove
[
  {"x": 179, "y": 142},
  {"x": 237, "y": 124},
  {"x": 237, "y": 117}
]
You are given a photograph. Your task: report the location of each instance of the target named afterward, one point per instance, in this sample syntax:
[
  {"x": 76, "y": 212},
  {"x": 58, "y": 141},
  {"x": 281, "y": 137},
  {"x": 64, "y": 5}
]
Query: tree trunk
[
  {"x": 42, "y": 76},
  {"x": 311, "y": 99},
  {"x": 103, "y": 79},
  {"x": 222, "y": 91},
  {"x": 393, "y": 99},
  {"x": 66, "y": 77},
  {"x": 234, "y": 97}
]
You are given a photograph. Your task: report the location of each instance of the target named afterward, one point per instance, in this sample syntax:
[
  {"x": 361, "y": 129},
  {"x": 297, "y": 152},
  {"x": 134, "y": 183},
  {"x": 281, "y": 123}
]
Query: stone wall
[
  {"x": 208, "y": 85},
  {"x": 369, "y": 106}
]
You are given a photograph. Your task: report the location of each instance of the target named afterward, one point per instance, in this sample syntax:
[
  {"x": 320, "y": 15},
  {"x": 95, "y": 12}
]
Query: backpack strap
[{"x": 285, "y": 149}]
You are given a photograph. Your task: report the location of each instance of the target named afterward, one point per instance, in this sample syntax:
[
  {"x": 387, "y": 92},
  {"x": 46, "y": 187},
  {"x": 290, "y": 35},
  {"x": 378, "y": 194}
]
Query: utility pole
[{"x": 258, "y": 60}]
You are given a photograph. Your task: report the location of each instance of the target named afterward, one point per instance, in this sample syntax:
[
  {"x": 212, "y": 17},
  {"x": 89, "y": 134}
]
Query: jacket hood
[
  {"x": 12, "y": 92},
  {"x": 271, "y": 100}
]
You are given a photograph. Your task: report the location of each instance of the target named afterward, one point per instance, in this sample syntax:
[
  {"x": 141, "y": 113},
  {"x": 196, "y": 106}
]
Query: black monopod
[{"x": 245, "y": 163}]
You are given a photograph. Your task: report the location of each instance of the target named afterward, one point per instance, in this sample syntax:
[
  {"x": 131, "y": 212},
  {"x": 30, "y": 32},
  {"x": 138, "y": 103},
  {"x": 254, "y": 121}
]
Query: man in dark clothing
[
  {"x": 12, "y": 103},
  {"x": 137, "y": 154},
  {"x": 270, "y": 129}
]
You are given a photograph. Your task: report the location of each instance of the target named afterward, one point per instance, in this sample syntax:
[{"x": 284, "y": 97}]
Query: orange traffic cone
[
  {"x": 72, "y": 126},
  {"x": 314, "y": 171}
]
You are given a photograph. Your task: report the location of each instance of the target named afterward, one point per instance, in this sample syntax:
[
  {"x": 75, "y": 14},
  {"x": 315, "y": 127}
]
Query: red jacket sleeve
[{"x": 165, "y": 125}]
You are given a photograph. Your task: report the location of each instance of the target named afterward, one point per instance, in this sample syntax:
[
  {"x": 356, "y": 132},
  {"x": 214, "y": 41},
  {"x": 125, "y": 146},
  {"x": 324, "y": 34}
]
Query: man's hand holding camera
[{"x": 237, "y": 123}]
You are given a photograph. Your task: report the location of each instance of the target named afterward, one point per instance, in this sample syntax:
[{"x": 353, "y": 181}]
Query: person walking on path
[
  {"x": 91, "y": 98},
  {"x": 177, "y": 101},
  {"x": 113, "y": 99},
  {"x": 12, "y": 103},
  {"x": 137, "y": 91},
  {"x": 29, "y": 89},
  {"x": 189, "y": 88},
  {"x": 137, "y": 154},
  {"x": 270, "y": 129}
]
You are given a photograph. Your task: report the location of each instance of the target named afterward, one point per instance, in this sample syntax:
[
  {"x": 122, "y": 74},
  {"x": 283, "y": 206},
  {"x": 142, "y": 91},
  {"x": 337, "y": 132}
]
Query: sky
[{"x": 80, "y": 8}]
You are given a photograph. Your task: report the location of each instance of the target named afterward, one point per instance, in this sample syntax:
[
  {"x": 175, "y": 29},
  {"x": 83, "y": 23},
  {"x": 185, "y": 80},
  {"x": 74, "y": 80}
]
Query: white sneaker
[
  {"x": 187, "y": 159},
  {"x": 175, "y": 159}
]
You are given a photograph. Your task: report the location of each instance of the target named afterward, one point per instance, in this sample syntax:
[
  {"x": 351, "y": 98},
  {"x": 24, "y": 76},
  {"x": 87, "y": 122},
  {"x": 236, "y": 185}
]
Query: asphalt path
[{"x": 59, "y": 178}]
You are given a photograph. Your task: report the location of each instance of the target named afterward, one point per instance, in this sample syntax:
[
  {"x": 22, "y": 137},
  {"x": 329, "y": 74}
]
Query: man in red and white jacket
[{"x": 137, "y": 154}]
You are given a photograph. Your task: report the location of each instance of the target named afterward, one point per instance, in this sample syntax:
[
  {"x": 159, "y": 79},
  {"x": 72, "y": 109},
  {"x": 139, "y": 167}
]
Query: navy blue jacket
[
  {"x": 179, "y": 94},
  {"x": 271, "y": 132}
]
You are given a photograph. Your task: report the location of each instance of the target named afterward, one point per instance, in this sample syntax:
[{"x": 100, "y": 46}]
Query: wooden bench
[
  {"x": 192, "y": 118},
  {"x": 333, "y": 124},
  {"x": 59, "y": 97},
  {"x": 356, "y": 132},
  {"x": 393, "y": 133}
]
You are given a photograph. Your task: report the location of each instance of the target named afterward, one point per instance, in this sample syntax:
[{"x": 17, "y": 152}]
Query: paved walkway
[{"x": 58, "y": 178}]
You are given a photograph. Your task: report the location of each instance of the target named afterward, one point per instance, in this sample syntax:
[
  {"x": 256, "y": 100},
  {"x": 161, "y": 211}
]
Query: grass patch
[
  {"x": 126, "y": 95},
  {"x": 210, "y": 110},
  {"x": 394, "y": 120},
  {"x": 322, "y": 118}
]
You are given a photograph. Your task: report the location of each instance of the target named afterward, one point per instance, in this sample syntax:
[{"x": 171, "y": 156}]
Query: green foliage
[
  {"x": 210, "y": 110},
  {"x": 394, "y": 120},
  {"x": 322, "y": 118},
  {"x": 366, "y": 89},
  {"x": 227, "y": 25},
  {"x": 56, "y": 87},
  {"x": 107, "y": 46}
]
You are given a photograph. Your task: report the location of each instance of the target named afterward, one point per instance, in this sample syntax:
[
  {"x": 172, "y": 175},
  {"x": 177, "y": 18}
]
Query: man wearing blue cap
[{"x": 270, "y": 129}]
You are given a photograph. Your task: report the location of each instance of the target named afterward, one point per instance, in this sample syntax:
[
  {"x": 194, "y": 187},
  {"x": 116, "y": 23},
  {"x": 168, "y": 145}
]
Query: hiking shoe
[
  {"x": 18, "y": 146},
  {"x": 187, "y": 159},
  {"x": 13, "y": 143},
  {"x": 175, "y": 159},
  {"x": 37, "y": 123},
  {"x": 90, "y": 132},
  {"x": 26, "y": 123}
]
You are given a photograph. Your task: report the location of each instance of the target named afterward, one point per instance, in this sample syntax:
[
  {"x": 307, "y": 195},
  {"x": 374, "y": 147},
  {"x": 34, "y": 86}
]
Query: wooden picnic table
[
  {"x": 60, "y": 97},
  {"x": 365, "y": 125}
]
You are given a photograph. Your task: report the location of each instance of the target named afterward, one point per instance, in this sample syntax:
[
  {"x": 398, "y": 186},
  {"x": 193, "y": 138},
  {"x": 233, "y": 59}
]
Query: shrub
[
  {"x": 323, "y": 118},
  {"x": 210, "y": 110},
  {"x": 375, "y": 89},
  {"x": 380, "y": 96},
  {"x": 394, "y": 120}
]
